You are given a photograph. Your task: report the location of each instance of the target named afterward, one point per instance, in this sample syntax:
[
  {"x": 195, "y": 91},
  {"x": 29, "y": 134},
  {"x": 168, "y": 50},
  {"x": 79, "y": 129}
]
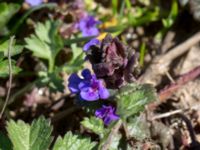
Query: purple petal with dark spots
[
  {"x": 89, "y": 94},
  {"x": 89, "y": 87}
]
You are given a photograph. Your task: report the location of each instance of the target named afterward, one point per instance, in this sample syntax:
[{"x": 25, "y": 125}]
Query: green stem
[{"x": 51, "y": 65}]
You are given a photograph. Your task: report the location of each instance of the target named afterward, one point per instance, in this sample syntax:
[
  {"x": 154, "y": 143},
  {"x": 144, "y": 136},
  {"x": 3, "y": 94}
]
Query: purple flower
[
  {"x": 92, "y": 42},
  {"x": 87, "y": 25},
  {"x": 89, "y": 87},
  {"x": 34, "y": 2},
  {"x": 107, "y": 114}
]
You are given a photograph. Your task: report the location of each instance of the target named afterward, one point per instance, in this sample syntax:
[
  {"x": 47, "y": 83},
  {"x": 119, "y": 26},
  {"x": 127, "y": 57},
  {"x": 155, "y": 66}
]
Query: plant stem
[
  {"x": 51, "y": 65},
  {"x": 10, "y": 75},
  {"x": 113, "y": 132}
]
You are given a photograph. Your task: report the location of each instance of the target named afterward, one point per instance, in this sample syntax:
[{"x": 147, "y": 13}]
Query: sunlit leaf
[
  {"x": 132, "y": 99},
  {"x": 6, "y": 12},
  {"x": 115, "y": 142},
  {"x": 73, "y": 142},
  {"x": 138, "y": 128},
  {"x": 30, "y": 137},
  {"x": 39, "y": 47},
  {"x": 46, "y": 42},
  {"x": 94, "y": 124}
]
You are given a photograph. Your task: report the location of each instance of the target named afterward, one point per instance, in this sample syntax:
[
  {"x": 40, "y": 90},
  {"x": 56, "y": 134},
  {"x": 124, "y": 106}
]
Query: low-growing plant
[{"x": 101, "y": 73}]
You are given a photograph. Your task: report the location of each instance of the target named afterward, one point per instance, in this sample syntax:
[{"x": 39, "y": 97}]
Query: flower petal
[
  {"x": 74, "y": 81},
  {"x": 100, "y": 113},
  {"x": 86, "y": 74},
  {"x": 107, "y": 114},
  {"x": 107, "y": 120},
  {"x": 33, "y": 2},
  {"x": 92, "y": 31},
  {"x": 114, "y": 117},
  {"x": 89, "y": 94},
  {"x": 103, "y": 92},
  {"x": 87, "y": 26},
  {"x": 91, "y": 43},
  {"x": 84, "y": 85}
]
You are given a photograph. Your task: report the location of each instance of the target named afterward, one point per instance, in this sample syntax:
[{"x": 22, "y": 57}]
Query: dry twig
[
  {"x": 160, "y": 64},
  {"x": 170, "y": 89},
  {"x": 168, "y": 114}
]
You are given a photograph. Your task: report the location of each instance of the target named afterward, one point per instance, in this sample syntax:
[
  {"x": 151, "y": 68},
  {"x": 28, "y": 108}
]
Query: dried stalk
[
  {"x": 169, "y": 90},
  {"x": 183, "y": 79},
  {"x": 160, "y": 64},
  {"x": 178, "y": 111}
]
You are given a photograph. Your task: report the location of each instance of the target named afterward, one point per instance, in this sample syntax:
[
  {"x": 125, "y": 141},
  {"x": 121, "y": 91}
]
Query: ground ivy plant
[{"x": 113, "y": 86}]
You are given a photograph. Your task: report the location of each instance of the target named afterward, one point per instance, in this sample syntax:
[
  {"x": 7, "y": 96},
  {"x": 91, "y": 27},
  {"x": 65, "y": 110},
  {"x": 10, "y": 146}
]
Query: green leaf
[
  {"x": 26, "y": 137},
  {"x": 73, "y": 142},
  {"x": 144, "y": 16},
  {"x": 132, "y": 99},
  {"x": 138, "y": 128},
  {"x": 46, "y": 42},
  {"x": 114, "y": 6},
  {"x": 17, "y": 49},
  {"x": 128, "y": 4},
  {"x": 169, "y": 21},
  {"x": 115, "y": 142},
  {"x": 42, "y": 31},
  {"x": 38, "y": 47},
  {"x": 94, "y": 124},
  {"x": 4, "y": 68},
  {"x": 6, "y": 12},
  {"x": 52, "y": 80},
  {"x": 5, "y": 143}
]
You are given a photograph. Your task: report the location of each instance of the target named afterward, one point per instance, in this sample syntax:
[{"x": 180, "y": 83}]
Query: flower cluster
[
  {"x": 113, "y": 64},
  {"x": 89, "y": 87},
  {"x": 107, "y": 114},
  {"x": 87, "y": 25}
]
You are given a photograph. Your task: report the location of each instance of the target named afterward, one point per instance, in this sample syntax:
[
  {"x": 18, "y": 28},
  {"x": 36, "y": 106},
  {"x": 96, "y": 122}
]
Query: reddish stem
[{"x": 170, "y": 89}]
